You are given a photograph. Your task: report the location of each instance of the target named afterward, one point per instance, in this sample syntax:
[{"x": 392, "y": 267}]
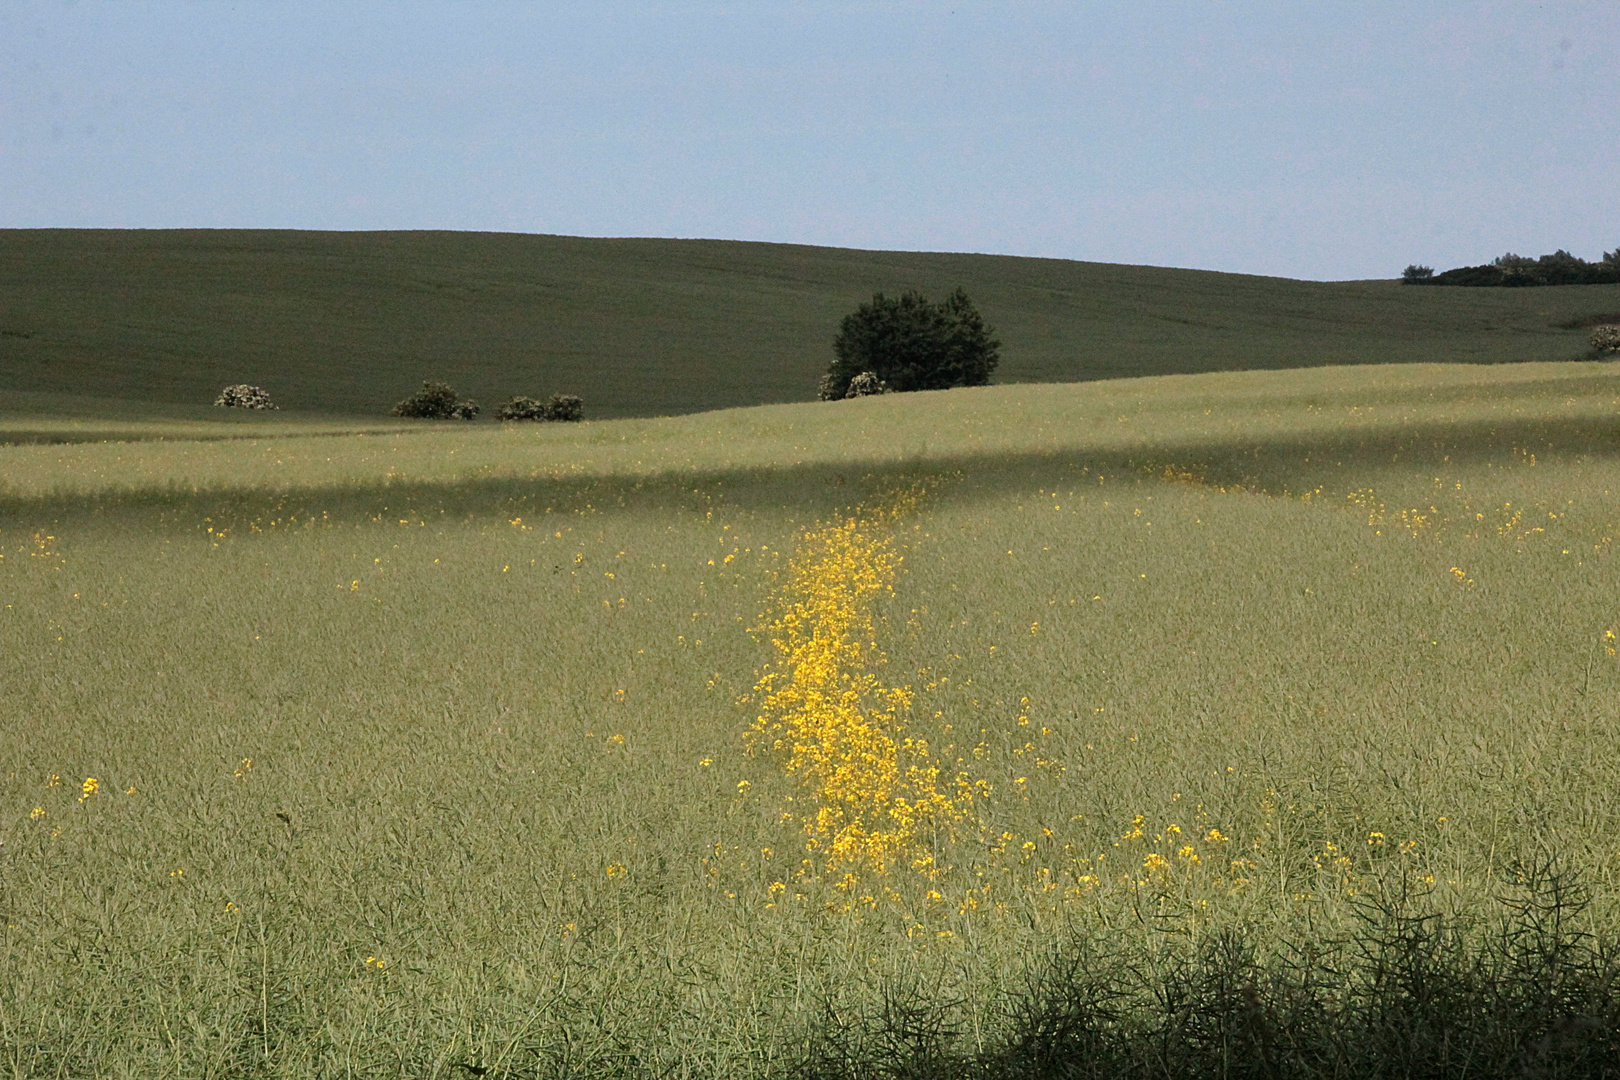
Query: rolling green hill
[{"x": 348, "y": 323}]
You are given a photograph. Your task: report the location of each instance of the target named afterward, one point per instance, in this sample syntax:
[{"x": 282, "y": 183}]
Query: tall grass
[{"x": 1291, "y": 701}]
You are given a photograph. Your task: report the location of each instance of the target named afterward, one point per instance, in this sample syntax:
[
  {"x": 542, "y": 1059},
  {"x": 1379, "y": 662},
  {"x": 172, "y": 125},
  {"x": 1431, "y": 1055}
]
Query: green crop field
[
  {"x": 349, "y": 323},
  {"x": 1201, "y": 724}
]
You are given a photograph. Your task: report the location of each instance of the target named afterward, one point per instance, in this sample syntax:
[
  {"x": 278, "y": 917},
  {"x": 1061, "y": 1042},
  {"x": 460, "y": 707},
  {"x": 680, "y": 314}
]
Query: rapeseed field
[{"x": 1125, "y": 725}]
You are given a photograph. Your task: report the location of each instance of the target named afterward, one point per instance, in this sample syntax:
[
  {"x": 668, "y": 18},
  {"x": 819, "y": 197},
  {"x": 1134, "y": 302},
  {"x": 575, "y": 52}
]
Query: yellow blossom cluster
[{"x": 876, "y": 791}]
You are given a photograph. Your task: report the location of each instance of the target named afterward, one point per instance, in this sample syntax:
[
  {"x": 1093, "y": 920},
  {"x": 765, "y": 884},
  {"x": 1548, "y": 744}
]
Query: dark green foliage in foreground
[
  {"x": 436, "y": 401},
  {"x": 560, "y": 407},
  {"x": 1412, "y": 994},
  {"x": 335, "y": 321},
  {"x": 911, "y": 343},
  {"x": 1510, "y": 270}
]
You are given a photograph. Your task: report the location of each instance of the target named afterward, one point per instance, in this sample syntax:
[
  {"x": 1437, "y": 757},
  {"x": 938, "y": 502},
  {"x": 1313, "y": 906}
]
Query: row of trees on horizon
[{"x": 1559, "y": 268}]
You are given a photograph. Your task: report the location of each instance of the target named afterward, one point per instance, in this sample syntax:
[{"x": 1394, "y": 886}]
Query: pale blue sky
[{"x": 1318, "y": 140}]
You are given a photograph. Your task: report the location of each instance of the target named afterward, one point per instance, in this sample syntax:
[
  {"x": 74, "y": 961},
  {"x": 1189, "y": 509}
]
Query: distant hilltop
[{"x": 350, "y": 323}]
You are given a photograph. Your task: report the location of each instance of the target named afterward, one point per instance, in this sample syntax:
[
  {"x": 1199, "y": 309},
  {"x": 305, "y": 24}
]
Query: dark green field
[{"x": 348, "y": 323}]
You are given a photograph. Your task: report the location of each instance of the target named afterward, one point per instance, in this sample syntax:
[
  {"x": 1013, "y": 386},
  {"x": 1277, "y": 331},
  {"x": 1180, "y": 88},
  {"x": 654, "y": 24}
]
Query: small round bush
[
  {"x": 522, "y": 408},
  {"x": 866, "y": 384},
  {"x": 244, "y": 396},
  {"x": 559, "y": 407},
  {"x": 565, "y": 407},
  {"x": 1606, "y": 340},
  {"x": 436, "y": 401}
]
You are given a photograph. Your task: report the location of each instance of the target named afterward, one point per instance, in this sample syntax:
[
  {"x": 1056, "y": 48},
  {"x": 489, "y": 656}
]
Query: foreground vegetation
[{"x": 1247, "y": 724}]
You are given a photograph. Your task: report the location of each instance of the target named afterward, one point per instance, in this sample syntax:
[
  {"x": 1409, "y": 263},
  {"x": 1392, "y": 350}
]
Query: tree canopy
[{"x": 912, "y": 343}]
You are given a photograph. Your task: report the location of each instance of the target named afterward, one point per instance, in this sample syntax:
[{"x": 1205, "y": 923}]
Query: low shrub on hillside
[
  {"x": 244, "y": 396},
  {"x": 522, "y": 408},
  {"x": 1606, "y": 340},
  {"x": 564, "y": 407},
  {"x": 865, "y": 385},
  {"x": 436, "y": 401}
]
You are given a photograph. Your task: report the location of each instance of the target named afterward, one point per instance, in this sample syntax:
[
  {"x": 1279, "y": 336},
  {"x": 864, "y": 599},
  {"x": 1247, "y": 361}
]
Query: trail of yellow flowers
[{"x": 874, "y": 788}]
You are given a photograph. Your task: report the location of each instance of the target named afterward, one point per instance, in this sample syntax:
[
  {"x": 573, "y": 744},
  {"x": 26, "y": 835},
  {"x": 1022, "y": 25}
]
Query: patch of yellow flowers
[{"x": 876, "y": 791}]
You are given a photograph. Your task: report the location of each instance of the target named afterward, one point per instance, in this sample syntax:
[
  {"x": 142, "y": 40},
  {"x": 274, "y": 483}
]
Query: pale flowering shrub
[
  {"x": 244, "y": 396},
  {"x": 1606, "y": 339},
  {"x": 866, "y": 384}
]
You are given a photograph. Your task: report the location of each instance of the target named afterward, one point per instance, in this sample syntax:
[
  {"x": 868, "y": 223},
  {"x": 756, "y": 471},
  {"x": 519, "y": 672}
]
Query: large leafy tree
[{"x": 912, "y": 343}]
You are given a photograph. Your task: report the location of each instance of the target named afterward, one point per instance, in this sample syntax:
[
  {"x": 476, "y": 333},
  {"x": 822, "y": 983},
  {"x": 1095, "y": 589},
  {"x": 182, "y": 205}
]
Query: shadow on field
[
  {"x": 1301, "y": 462},
  {"x": 1411, "y": 994},
  {"x": 66, "y": 436}
]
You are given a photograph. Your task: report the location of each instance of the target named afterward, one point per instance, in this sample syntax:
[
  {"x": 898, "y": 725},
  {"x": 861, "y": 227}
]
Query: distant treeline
[{"x": 1559, "y": 268}]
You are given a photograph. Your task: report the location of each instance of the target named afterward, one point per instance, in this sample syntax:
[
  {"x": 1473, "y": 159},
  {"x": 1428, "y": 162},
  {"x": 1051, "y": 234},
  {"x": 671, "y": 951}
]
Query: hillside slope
[{"x": 348, "y": 323}]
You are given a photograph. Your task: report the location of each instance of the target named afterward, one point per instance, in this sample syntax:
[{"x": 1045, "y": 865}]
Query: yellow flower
[
  {"x": 1214, "y": 836},
  {"x": 36, "y": 813},
  {"x": 90, "y": 786},
  {"x": 1154, "y": 861},
  {"x": 873, "y": 787}
]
